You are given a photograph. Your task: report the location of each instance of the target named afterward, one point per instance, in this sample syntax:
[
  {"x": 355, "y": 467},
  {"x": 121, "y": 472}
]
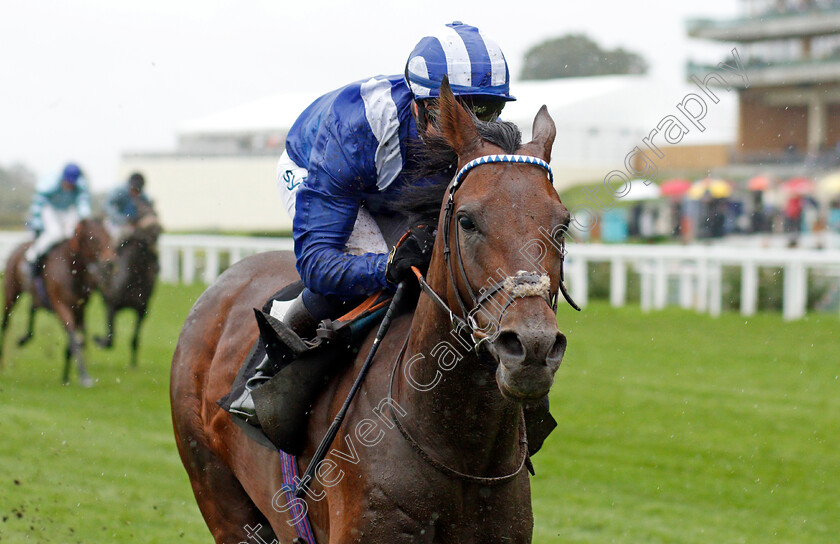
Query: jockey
[
  {"x": 344, "y": 165},
  {"x": 57, "y": 208},
  {"x": 344, "y": 161},
  {"x": 124, "y": 205}
]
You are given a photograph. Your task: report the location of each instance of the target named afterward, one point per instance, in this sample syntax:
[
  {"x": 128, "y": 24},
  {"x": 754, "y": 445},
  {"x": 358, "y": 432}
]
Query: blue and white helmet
[{"x": 474, "y": 63}]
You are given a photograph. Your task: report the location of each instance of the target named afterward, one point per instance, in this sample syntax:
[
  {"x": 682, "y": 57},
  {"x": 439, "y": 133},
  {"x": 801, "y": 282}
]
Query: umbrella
[
  {"x": 639, "y": 190},
  {"x": 798, "y": 185},
  {"x": 830, "y": 184},
  {"x": 759, "y": 183},
  {"x": 716, "y": 188},
  {"x": 675, "y": 187}
]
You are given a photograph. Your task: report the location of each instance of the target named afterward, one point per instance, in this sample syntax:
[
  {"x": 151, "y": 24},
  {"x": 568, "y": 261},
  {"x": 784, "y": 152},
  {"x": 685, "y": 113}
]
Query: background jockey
[
  {"x": 125, "y": 206},
  {"x": 59, "y": 204},
  {"x": 345, "y": 163}
]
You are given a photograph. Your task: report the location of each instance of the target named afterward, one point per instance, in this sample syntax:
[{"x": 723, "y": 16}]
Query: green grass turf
[
  {"x": 673, "y": 427},
  {"x": 99, "y": 464}
]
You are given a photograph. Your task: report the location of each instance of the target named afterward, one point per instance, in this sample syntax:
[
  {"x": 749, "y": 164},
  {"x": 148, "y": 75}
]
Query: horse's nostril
[
  {"x": 558, "y": 349},
  {"x": 508, "y": 343}
]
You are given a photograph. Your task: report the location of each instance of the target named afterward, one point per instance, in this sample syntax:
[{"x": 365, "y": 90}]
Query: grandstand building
[{"x": 789, "y": 107}]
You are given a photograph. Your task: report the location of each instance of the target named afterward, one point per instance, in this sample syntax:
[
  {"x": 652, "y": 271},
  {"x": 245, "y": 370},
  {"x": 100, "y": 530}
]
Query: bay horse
[
  {"x": 133, "y": 280},
  {"x": 72, "y": 270},
  {"x": 433, "y": 447}
]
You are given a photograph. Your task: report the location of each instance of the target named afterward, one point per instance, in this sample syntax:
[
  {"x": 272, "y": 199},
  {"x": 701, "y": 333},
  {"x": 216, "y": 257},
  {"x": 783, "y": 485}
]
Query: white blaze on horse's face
[{"x": 498, "y": 210}]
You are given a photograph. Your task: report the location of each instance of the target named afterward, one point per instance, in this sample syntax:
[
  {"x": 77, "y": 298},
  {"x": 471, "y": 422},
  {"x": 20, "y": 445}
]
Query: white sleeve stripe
[
  {"x": 381, "y": 115},
  {"x": 497, "y": 60},
  {"x": 458, "y": 63}
]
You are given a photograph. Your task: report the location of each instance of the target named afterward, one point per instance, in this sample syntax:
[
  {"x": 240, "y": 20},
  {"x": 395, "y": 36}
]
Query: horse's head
[
  {"x": 94, "y": 248},
  {"x": 147, "y": 230},
  {"x": 495, "y": 215}
]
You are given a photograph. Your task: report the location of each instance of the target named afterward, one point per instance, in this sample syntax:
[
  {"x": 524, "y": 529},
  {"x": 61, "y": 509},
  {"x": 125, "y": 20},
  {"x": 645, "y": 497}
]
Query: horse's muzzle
[{"x": 528, "y": 360}]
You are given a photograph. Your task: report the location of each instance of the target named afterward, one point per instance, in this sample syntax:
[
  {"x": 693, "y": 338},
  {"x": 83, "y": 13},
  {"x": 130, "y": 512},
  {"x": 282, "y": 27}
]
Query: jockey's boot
[
  {"x": 303, "y": 324},
  {"x": 35, "y": 267},
  {"x": 37, "y": 272}
]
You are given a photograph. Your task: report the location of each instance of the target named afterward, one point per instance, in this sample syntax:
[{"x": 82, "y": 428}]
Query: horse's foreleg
[
  {"x": 108, "y": 340},
  {"x": 65, "y": 375},
  {"x": 135, "y": 342},
  {"x": 75, "y": 345},
  {"x": 7, "y": 309},
  {"x": 79, "y": 345},
  {"x": 30, "y": 327},
  {"x": 75, "y": 348}
]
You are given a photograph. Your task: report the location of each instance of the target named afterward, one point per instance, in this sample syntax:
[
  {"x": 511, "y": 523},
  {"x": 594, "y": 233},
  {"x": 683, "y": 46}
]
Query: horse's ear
[
  {"x": 544, "y": 132},
  {"x": 456, "y": 124}
]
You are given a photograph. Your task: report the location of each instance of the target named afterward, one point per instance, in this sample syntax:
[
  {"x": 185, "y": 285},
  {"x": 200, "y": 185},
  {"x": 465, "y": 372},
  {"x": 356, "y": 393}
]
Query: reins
[{"x": 439, "y": 465}]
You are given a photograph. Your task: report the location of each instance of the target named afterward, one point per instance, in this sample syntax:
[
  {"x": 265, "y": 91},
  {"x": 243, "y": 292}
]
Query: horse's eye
[{"x": 466, "y": 223}]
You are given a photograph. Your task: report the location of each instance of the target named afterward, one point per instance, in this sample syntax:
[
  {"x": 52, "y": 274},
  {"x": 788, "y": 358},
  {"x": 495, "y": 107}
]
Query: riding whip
[{"x": 331, "y": 433}]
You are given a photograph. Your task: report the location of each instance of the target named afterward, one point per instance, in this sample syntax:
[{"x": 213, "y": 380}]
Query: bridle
[{"x": 522, "y": 284}]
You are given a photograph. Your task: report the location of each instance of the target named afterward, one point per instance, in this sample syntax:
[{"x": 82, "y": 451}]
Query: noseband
[{"x": 523, "y": 284}]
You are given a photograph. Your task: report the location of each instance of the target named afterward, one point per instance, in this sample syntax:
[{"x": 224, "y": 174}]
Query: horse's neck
[{"x": 457, "y": 409}]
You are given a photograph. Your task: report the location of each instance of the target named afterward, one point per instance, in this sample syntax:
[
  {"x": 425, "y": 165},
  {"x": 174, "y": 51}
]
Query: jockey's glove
[{"x": 413, "y": 249}]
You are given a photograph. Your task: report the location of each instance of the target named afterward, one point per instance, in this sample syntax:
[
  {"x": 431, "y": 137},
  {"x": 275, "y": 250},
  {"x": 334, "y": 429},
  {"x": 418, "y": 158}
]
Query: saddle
[{"x": 302, "y": 369}]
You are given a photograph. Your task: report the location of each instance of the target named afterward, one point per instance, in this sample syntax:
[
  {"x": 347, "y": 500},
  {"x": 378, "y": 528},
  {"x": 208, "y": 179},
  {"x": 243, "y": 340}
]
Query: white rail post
[
  {"x": 749, "y": 288},
  {"x": 660, "y": 285},
  {"x": 618, "y": 282},
  {"x": 169, "y": 264},
  {"x": 686, "y": 285},
  {"x": 702, "y": 301},
  {"x": 580, "y": 281},
  {"x": 211, "y": 264},
  {"x": 715, "y": 288},
  {"x": 795, "y": 291},
  {"x": 646, "y": 287},
  {"x": 188, "y": 270},
  {"x": 235, "y": 255}
]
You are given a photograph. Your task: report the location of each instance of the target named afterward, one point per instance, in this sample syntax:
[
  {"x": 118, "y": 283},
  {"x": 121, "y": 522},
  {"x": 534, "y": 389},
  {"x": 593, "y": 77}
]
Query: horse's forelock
[{"x": 435, "y": 163}]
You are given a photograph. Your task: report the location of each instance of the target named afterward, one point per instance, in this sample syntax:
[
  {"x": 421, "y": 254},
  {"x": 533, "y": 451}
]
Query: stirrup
[{"x": 244, "y": 405}]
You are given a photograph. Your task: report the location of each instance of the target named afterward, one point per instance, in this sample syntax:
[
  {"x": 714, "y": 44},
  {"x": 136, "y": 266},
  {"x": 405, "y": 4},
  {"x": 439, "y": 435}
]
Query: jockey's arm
[
  {"x": 35, "y": 222},
  {"x": 115, "y": 206},
  {"x": 326, "y": 208}
]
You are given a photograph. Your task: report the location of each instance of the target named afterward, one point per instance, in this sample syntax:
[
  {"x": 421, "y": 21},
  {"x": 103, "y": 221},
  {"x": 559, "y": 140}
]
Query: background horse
[
  {"x": 134, "y": 277},
  {"x": 72, "y": 269},
  {"x": 453, "y": 473}
]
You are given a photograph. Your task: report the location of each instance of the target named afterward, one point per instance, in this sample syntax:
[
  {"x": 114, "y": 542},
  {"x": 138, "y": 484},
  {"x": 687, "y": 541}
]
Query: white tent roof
[
  {"x": 272, "y": 113},
  {"x": 632, "y": 105}
]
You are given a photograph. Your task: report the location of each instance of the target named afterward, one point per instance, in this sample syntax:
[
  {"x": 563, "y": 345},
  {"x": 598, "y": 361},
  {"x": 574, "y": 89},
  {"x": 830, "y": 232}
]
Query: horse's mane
[{"x": 434, "y": 166}]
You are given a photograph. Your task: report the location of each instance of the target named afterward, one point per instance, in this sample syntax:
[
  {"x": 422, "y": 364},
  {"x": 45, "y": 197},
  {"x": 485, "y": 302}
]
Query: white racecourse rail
[{"x": 697, "y": 268}]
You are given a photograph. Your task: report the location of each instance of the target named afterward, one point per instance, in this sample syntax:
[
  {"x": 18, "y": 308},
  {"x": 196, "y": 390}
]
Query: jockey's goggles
[{"x": 484, "y": 110}]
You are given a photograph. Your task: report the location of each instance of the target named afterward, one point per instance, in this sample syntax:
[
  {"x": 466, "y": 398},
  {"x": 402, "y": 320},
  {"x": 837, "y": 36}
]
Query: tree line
[{"x": 577, "y": 55}]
